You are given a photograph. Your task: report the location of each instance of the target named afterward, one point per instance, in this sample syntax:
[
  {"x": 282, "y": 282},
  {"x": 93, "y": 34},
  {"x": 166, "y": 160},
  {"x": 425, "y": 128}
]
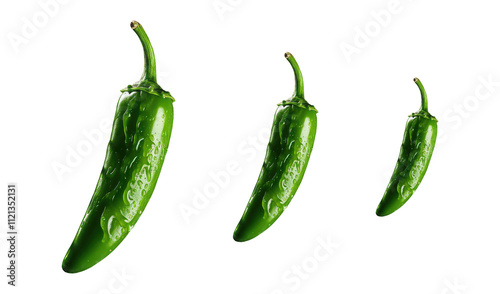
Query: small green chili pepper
[
  {"x": 414, "y": 157},
  {"x": 287, "y": 155},
  {"x": 134, "y": 157}
]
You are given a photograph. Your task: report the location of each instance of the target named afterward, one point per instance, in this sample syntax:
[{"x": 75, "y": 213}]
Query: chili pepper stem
[
  {"x": 424, "y": 106},
  {"x": 149, "y": 55},
  {"x": 299, "y": 82}
]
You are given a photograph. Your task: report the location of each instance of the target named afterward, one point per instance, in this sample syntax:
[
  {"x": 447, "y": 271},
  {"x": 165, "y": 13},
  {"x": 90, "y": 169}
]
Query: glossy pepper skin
[
  {"x": 414, "y": 157},
  {"x": 134, "y": 157},
  {"x": 287, "y": 155}
]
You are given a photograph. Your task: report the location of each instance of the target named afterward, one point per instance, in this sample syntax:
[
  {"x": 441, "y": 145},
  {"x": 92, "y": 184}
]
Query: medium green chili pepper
[
  {"x": 414, "y": 157},
  {"x": 134, "y": 157},
  {"x": 287, "y": 155}
]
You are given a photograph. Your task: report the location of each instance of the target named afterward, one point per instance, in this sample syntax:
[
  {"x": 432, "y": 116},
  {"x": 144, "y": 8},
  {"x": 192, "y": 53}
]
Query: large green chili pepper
[
  {"x": 134, "y": 157},
  {"x": 414, "y": 157},
  {"x": 287, "y": 155}
]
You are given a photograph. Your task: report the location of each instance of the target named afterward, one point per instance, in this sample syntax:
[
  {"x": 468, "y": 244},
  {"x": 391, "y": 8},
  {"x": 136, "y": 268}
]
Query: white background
[{"x": 227, "y": 71}]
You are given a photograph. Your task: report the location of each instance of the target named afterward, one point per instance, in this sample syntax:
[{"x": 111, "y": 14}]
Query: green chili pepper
[
  {"x": 414, "y": 157},
  {"x": 134, "y": 157},
  {"x": 287, "y": 155}
]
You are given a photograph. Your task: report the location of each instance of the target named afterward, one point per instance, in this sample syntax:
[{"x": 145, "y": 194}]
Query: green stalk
[
  {"x": 149, "y": 55},
  {"x": 424, "y": 106},
  {"x": 299, "y": 83}
]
